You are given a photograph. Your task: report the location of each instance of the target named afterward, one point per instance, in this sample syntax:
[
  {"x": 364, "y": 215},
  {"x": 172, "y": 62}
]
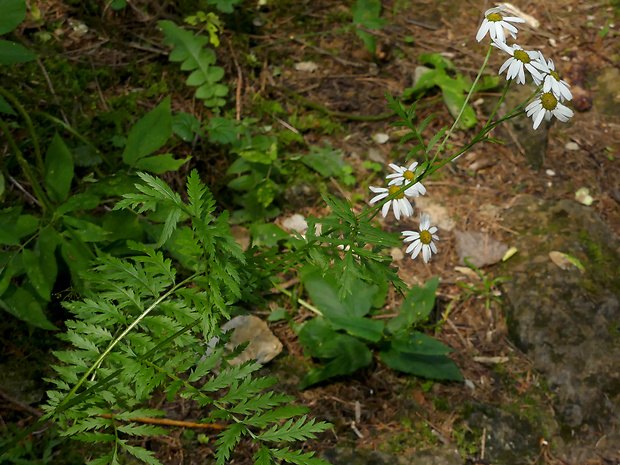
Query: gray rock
[
  {"x": 441, "y": 455},
  {"x": 607, "y": 94},
  {"x": 519, "y": 133},
  {"x": 568, "y": 322},
  {"x": 509, "y": 439}
]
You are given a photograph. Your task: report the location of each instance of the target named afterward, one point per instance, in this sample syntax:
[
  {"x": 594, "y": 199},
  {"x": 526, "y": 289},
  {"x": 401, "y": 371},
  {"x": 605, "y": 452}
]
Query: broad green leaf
[
  {"x": 365, "y": 328},
  {"x": 79, "y": 202},
  {"x": 416, "y": 307},
  {"x": 15, "y": 226},
  {"x": 222, "y": 130},
  {"x": 6, "y": 274},
  {"x": 436, "y": 60},
  {"x": 426, "y": 366},
  {"x": 225, "y": 6},
  {"x": 5, "y": 107},
  {"x": 367, "y": 13},
  {"x": 45, "y": 249},
  {"x": 122, "y": 224},
  {"x": 186, "y": 126},
  {"x": 149, "y": 134},
  {"x": 11, "y": 52},
  {"x": 41, "y": 282},
  {"x": 324, "y": 293},
  {"x": 313, "y": 333},
  {"x": 78, "y": 259},
  {"x": 118, "y": 4},
  {"x": 245, "y": 182},
  {"x": 454, "y": 98},
  {"x": 12, "y": 12},
  {"x": 58, "y": 170},
  {"x": 85, "y": 230},
  {"x": 160, "y": 163},
  {"x": 23, "y": 305},
  {"x": 349, "y": 355},
  {"x": 369, "y": 40},
  {"x": 419, "y": 343},
  {"x": 266, "y": 234},
  {"x": 325, "y": 161}
]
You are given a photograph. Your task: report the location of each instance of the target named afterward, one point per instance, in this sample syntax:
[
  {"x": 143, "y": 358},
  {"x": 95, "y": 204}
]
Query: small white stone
[
  {"x": 397, "y": 254},
  {"x": 550, "y": 173},
  {"x": 295, "y": 223},
  {"x": 381, "y": 138},
  {"x": 308, "y": 66},
  {"x": 571, "y": 146}
]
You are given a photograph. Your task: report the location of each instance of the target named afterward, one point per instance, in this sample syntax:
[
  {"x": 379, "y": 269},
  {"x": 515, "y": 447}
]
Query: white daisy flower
[
  {"x": 520, "y": 61},
  {"x": 494, "y": 24},
  {"x": 405, "y": 175},
  {"x": 546, "y": 106},
  {"x": 400, "y": 202},
  {"x": 422, "y": 240},
  {"x": 552, "y": 82}
]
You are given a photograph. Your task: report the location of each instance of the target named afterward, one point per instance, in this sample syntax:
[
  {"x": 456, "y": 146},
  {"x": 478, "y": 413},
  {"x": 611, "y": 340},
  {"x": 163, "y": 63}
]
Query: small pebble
[
  {"x": 550, "y": 173},
  {"x": 381, "y": 138},
  {"x": 571, "y": 146}
]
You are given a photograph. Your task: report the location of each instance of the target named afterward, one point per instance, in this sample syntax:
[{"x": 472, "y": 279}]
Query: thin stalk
[
  {"x": 22, "y": 111},
  {"x": 121, "y": 336},
  {"x": 301, "y": 302},
  {"x": 471, "y": 91},
  {"x": 25, "y": 166}
]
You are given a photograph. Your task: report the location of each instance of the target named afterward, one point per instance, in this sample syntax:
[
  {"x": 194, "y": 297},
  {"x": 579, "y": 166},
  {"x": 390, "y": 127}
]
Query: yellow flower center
[
  {"x": 548, "y": 100},
  {"x": 425, "y": 237},
  {"x": 394, "y": 189},
  {"x": 409, "y": 175},
  {"x": 521, "y": 56},
  {"x": 495, "y": 17},
  {"x": 555, "y": 75}
]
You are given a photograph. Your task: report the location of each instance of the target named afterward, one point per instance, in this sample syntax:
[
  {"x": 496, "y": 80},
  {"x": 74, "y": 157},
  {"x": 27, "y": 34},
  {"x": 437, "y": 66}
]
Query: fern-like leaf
[{"x": 189, "y": 49}]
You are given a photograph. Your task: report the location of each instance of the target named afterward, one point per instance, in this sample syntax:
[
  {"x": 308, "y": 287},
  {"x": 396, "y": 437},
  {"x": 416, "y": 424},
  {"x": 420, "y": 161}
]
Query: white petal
[
  {"x": 538, "y": 118},
  {"x": 505, "y": 65},
  {"x": 416, "y": 249},
  {"x": 397, "y": 209},
  {"x": 413, "y": 166},
  {"x": 433, "y": 247},
  {"x": 514, "y": 19},
  {"x": 396, "y": 168},
  {"x": 432, "y": 230},
  {"x": 499, "y": 32},
  {"x": 426, "y": 253},
  {"x": 378, "y": 189},
  {"x": 567, "y": 94},
  {"x": 484, "y": 28},
  {"x": 413, "y": 237},
  {"x": 386, "y": 208},
  {"x": 509, "y": 27},
  {"x": 378, "y": 197}
]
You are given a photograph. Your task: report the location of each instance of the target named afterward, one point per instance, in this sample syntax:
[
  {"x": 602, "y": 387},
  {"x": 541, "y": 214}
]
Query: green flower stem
[
  {"x": 471, "y": 91},
  {"x": 120, "y": 337},
  {"x": 21, "y": 110},
  {"x": 301, "y": 302},
  {"x": 46, "y": 205},
  {"x": 501, "y": 99}
]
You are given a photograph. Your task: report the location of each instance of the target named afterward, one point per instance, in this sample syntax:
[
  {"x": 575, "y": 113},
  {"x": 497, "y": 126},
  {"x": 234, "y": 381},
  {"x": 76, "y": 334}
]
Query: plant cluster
[{"x": 156, "y": 268}]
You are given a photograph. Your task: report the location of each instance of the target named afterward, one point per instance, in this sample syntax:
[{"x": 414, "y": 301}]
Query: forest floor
[{"x": 377, "y": 408}]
